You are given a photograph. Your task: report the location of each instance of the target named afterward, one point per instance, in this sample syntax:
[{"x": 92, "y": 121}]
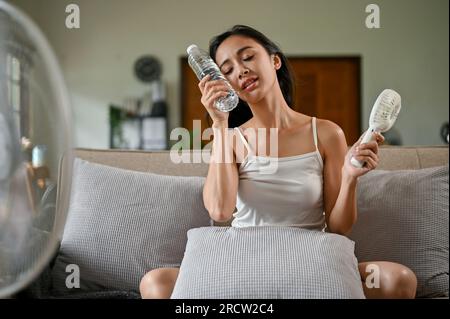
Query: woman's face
[{"x": 248, "y": 67}]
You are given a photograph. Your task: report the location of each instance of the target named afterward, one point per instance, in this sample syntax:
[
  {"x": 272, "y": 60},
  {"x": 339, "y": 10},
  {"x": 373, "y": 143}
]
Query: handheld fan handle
[{"x": 368, "y": 136}]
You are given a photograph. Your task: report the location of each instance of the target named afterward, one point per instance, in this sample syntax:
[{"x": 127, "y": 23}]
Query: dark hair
[{"x": 242, "y": 112}]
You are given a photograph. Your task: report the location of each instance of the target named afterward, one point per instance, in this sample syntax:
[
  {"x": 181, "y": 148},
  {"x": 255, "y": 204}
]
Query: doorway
[{"x": 325, "y": 87}]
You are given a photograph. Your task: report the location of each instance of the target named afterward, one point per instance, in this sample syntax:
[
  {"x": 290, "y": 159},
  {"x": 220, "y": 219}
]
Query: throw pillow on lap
[
  {"x": 403, "y": 218},
  {"x": 122, "y": 224},
  {"x": 267, "y": 262}
]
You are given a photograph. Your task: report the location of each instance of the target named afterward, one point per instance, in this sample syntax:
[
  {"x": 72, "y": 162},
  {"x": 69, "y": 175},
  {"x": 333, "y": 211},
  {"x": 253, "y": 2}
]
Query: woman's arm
[
  {"x": 220, "y": 189},
  {"x": 221, "y": 185},
  {"x": 344, "y": 212},
  {"x": 340, "y": 177}
]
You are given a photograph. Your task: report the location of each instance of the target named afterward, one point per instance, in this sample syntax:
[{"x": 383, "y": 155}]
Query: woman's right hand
[{"x": 211, "y": 91}]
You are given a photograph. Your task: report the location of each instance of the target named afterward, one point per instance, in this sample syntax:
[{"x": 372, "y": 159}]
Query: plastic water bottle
[{"x": 202, "y": 65}]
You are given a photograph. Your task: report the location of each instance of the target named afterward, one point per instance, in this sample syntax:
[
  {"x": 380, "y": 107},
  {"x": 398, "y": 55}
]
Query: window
[{"x": 14, "y": 93}]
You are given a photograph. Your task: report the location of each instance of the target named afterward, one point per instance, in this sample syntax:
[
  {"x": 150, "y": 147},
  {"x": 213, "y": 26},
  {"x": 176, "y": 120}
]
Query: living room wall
[{"x": 409, "y": 53}]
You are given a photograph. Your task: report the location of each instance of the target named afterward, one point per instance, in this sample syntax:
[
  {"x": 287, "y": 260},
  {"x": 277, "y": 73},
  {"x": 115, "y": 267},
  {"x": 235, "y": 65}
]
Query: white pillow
[
  {"x": 122, "y": 224},
  {"x": 403, "y": 218},
  {"x": 267, "y": 262}
]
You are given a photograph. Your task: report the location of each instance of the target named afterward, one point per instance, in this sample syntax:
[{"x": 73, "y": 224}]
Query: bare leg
[
  {"x": 158, "y": 283},
  {"x": 395, "y": 281}
]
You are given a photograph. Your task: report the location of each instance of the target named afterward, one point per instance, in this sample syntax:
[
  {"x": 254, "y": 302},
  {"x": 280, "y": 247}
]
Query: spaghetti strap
[
  {"x": 314, "y": 132},
  {"x": 243, "y": 139}
]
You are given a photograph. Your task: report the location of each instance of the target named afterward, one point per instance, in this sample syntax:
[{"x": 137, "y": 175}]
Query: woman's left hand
[{"x": 367, "y": 152}]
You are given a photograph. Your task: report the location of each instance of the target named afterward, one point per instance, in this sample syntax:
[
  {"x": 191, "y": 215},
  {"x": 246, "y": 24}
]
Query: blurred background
[{"x": 129, "y": 83}]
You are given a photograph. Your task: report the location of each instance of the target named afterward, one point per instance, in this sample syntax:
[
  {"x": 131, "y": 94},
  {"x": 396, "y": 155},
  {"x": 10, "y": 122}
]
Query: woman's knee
[
  {"x": 158, "y": 283},
  {"x": 399, "y": 282}
]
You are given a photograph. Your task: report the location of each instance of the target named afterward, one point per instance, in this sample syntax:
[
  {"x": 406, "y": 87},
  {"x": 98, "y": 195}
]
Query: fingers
[
  {"x": 373, "y": 144},
  {"x": 371, "y": 163},
  {"x": 379, "y": 138},
  {"x": 203, "y": 81},
  {"x": 213, "y": 96},
  {"x": 368, "y": 156},
  {"x": 215, "y": 86},
  {"x": 206, "y": 84},
  {"x": 211, "y": 90},
  {"x": 363, "y": 157},
  {"x": 210, "y": 101},
  {"x": 371, "y": 147},
  {"x": 368, "y": 152}
]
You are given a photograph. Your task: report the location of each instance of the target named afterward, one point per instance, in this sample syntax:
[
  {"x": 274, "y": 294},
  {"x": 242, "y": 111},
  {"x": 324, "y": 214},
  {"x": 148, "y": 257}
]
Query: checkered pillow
[
  {"x": 122, "y": 224},
  {"x": 403, "y": 218},
  {"x": 267, "y": 262}
]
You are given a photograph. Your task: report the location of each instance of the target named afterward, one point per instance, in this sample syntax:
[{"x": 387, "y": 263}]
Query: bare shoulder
[
  {"x": 330, "y": 136},
  {"x": 327, "y": 130}
]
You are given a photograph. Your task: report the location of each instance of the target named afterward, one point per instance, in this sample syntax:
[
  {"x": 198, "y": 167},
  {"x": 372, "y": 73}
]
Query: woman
[{"x": 259, "y": 72}]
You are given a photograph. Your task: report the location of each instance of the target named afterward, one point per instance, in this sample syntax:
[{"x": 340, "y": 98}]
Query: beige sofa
[{"x": 159, "y": 162}]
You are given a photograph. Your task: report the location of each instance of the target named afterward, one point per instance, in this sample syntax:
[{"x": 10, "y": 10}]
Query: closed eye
[{"x": 244, "y": 59}]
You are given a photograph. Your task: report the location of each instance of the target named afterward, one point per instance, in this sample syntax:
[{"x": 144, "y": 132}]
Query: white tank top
[{"x": 290, "y": 196}]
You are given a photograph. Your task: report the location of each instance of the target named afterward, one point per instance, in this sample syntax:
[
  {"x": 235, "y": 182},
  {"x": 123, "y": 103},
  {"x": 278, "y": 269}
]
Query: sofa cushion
[
  {"x": 267, "y": 262},
  {"x": 403, "y": 218},
  {"x": 122, "y": 224}
]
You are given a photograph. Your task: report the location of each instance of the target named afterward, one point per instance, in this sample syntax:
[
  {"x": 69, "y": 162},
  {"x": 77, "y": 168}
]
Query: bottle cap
[{"x": 191, "y": 47}]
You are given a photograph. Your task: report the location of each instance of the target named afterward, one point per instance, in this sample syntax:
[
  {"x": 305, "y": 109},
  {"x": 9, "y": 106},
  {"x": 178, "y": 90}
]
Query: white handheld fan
[{"x": 384, "y": 113}]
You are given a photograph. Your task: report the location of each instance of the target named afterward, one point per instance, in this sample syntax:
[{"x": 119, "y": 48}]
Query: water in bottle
[{"x": 202, "y": 64}]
